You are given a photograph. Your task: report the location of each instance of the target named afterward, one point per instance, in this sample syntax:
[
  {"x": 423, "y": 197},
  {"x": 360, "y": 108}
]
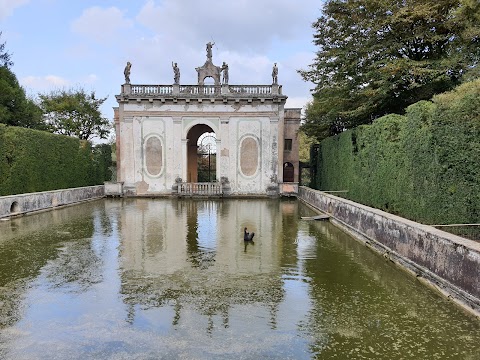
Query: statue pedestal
[
  {"x": 126, "y": 89},
  {"x": 274, "y": 89},
  {"x": 225, "y": 89},
  {"x": 176, "y": 89}
]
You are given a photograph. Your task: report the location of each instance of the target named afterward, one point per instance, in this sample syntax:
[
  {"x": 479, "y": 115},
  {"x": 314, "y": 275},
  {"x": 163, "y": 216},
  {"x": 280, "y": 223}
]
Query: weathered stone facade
[{"x": 158, "y": 126}]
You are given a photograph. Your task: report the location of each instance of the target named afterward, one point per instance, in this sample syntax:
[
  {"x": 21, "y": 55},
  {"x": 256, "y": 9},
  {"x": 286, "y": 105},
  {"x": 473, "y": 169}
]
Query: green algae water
[{"x": 173, "y": 279}]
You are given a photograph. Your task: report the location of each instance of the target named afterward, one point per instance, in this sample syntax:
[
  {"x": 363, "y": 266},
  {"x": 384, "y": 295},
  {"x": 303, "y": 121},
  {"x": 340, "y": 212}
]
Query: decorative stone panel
[
  {"x": 249, "y": 156},
  {"x": 153, "y": 156}
]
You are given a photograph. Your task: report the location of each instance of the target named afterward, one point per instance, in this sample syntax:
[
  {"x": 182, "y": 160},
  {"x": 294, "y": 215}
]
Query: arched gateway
[{"x": 158, "y": 128}]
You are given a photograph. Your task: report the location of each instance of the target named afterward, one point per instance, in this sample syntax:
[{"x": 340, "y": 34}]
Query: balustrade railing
[
  {"x": 202, "y": 90},
  {"x": 200, "y": 189},
  {"x": 250, "y": 89},
  {"x": 151, "y": 89}
]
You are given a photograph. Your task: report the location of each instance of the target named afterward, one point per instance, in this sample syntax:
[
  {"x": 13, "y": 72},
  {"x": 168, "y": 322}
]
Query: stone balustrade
[
  {"x": 259, "y": 91},
  {"x": 252, "y": 89},
  {"x": 150, "y": 89},
  {"x": 200, "y": 189},
  {"x": 200, "y": 89}
]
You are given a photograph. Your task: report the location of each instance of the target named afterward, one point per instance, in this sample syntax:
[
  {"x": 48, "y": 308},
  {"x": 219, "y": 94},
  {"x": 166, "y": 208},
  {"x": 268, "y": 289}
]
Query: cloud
[
  {"x": 249, "y": 35},
  {"x": 44, "y": 83},
  {"x": 243, "y": 25},
  {"x": 8, "y": 6},
  {"x": 101, "y": 25},
  {"x": 90, "y": 79}
]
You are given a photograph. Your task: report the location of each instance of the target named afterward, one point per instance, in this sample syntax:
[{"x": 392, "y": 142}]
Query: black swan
[{"x": 248, "y": 236}]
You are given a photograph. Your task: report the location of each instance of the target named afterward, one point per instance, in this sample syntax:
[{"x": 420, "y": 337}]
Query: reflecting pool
[{"x": 173, "y": 279}]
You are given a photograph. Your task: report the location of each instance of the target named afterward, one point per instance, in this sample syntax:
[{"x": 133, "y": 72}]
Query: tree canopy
[
  {"x": 378, "y": 56},
  {"x": 75, "y": 112},
  {"x": 16, "y": 109},
  {"x": 5, "y": 59}
]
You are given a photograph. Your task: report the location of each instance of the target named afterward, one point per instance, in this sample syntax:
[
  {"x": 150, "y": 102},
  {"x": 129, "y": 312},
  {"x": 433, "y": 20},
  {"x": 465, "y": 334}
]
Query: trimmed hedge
[
  {"x": 32, "y": 160},
  {"x": 424, "y": 166}
]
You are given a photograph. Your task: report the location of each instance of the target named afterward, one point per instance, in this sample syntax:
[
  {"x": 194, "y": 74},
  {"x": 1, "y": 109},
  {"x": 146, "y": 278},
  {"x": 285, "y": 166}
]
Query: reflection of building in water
[{"x": 191, "y": 253}]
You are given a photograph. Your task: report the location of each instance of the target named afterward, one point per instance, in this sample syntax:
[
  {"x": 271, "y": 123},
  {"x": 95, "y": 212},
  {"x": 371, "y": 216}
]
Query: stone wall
[
  {"x": 25, "y": 203},
  {"x": 448, "y": 262},
  {"x": 249, "y": 142}
]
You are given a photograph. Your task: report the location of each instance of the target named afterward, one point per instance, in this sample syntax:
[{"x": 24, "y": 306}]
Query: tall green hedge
[
  {"x": 32, "y": 160},
  {"x": 424, "y": 166}
]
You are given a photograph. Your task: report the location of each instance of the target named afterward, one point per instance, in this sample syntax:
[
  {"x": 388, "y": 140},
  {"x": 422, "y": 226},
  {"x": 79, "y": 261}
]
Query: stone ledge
[
  {"x": 16, "y": 205},
  {"x": 449, "y": 263}
]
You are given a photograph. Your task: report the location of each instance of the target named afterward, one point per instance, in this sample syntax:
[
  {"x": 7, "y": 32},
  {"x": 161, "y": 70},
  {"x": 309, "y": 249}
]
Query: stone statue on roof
[
  {"x": 209, "y": 50},
  {"x": 224, "y": 68},
  {"x": 176, "y": 73},
  {"x": 275, "y": 74},
  {"x": 126, "y": 72},
  {"x": 210, "y": 70}
]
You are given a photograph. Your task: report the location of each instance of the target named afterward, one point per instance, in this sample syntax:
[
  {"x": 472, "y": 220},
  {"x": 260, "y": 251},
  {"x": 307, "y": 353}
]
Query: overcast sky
[{"x": 71, "y": 43}]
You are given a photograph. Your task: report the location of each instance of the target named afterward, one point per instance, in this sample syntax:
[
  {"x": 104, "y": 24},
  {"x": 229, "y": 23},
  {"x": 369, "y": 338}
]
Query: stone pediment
[{"x": 209, "y": 70}]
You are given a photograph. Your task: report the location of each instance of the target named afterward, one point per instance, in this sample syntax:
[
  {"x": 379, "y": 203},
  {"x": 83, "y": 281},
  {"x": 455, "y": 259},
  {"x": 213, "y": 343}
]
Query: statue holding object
[{"x": 209, "y": 50}]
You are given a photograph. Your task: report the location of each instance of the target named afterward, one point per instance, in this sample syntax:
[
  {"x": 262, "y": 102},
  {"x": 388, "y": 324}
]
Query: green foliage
[
  {"x": 377, "y": 57},
  {"x": 424, "y": 166},
  {"x": 457, "y": 134},
  {"x": 304, "y": 144},
  {"x": 5, "y": 59},
  {"x": 206, "y": 167},
  {"x": 75, "y": 113},
  {"x": 3, "y": 158},
  {"x": 468, "y": 18},
  {"x": 102, "y": 160},
  {"x": 15, "y": 108},
  {"x": 32, "y": 160}
]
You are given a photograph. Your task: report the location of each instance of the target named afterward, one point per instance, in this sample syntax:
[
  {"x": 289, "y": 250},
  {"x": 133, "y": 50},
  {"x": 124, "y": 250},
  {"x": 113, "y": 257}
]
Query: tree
[
  {"x": 304, "y": 145},
  {"x": 468, "y": 14},
  {"x": 74, "y": 112},
  {"x": 16, "y": 109},
  {"x": 5, "y": 60},
  {"x": 378, "y": 56}
]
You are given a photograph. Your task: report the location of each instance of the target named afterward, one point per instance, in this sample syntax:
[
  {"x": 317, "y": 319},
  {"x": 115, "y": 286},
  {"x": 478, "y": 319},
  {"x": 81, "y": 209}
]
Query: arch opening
[
  {"x": 201, "y": 154},
  {"x": 14, "y": 208},
  {"x": 208, "y": 80}
]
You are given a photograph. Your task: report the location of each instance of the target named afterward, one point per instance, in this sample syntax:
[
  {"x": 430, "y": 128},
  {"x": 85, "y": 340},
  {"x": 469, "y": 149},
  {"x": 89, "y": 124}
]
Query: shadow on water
[{"x": 168, "y": 278}]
